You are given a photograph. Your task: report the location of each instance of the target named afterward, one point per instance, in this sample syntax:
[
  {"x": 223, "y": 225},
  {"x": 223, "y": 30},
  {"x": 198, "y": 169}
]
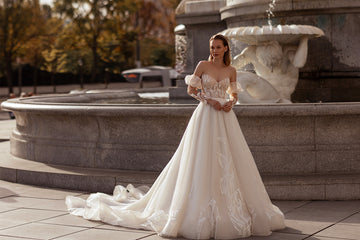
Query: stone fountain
[
  {"x": 331, "y": 71},
  {"x": 277, "y": 53}
]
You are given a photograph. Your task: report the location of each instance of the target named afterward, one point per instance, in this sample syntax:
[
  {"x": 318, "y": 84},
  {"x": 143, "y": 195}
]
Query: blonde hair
[{"x": 227, "y": 58}]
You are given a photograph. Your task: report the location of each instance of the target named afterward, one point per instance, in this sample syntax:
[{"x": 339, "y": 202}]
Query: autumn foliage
[{"x": 87, "y": 37}]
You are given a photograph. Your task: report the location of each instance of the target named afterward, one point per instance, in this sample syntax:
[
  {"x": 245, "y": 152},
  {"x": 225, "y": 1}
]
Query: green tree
[
  {"x": 155, "y": 26},
  {"x": 19, "y": 23},
  {"x": 91, "y": 19},
  {"x": 68, "y": 52},
  {"x": 48, "y": 32},
  {"x": 117, "y": 51}
]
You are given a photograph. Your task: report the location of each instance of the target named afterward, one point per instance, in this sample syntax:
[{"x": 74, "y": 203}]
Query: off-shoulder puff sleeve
[
  {"x": 234, "y": 87},
  {"x": 193, "y": 81}
]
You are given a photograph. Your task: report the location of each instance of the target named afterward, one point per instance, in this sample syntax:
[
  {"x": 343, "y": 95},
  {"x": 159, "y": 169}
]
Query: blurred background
[{"x": 50, "y": 42}]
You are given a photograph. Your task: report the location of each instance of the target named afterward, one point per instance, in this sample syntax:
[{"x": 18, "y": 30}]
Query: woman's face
[{"x": 217, "y": 49}]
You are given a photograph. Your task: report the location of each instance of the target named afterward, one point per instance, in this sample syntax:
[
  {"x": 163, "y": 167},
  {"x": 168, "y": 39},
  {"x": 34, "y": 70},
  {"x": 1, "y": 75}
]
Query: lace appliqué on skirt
[{"x": 229, "y": 187}]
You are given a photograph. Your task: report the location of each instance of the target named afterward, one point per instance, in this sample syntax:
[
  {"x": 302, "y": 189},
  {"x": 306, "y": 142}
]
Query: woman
[{"x": 211, "y": 187}]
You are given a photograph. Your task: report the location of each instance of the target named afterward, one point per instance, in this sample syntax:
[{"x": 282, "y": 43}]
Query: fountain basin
[
  {"x": 65, "y": 130},
  {"x": 284, "y": 34},
  {"x": 303, "y": 151},
  {"x": 296, "y": 139}
]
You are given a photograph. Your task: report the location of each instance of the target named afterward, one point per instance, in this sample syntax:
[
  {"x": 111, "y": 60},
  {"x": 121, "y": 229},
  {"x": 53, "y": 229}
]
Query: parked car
[{"x": 166, "y": 75}]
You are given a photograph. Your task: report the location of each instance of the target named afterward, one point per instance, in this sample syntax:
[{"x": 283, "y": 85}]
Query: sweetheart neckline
[{"x": 214, "y": 78}]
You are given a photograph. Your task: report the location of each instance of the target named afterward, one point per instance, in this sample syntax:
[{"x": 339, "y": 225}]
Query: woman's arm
[
  {"x": 233, "y": 96},
  {"x": 193, "y": 91}
]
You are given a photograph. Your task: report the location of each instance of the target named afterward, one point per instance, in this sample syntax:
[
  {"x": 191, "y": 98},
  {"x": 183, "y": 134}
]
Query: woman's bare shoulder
[
  {"x": 231, "y": 69},
  {"x": 203, "y": 66},
  {"x": 204, "y": 63},
  {"x": 232, "y": 72}
]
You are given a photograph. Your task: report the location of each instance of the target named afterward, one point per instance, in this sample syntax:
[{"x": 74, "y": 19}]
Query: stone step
[
  {"x": 331, "y": 186},
  {"x": 280, "y": 187},
  {"x": 74, "y": 178}
]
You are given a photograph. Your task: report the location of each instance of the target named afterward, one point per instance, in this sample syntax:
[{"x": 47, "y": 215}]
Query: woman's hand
[
  {"x": 192, "y": 90},
  {"x": 215, "y": 104},
  {"x": 227, "y": 106}
]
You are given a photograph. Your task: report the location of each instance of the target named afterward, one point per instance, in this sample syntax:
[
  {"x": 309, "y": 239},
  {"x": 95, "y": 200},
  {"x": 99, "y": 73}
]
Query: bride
[{"x": 211, "y": 187}]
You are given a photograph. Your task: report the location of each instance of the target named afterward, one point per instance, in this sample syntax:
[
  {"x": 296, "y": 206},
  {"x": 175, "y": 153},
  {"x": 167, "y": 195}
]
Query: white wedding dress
[{"x": 211, "y": 187}]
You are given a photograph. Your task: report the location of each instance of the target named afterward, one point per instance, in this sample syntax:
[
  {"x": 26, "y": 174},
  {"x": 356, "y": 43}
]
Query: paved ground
[{"x": 29, "y": 212}]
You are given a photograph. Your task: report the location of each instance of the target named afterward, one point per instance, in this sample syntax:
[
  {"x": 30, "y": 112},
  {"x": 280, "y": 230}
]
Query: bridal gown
[{"x": 211, "y": 187}]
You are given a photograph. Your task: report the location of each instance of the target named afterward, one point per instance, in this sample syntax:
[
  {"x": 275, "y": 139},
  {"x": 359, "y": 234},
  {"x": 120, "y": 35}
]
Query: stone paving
[{"x": 29, "y": 212}]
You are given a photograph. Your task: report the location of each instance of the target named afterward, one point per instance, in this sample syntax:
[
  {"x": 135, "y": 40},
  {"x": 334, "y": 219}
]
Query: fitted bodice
[{"x": 213, "y": 88}]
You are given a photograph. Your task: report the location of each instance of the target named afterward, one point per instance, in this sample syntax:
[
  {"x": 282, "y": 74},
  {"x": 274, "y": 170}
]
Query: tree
[
  {"x": 68, "y": 52},
  {"x": 116, "y": 50},
  {"x": 116, "y": 44},
  {"x": 155, "y": 23},
  {"x": 91, "y": 18},
  {"x": 48, "y": 29},
  {"x": 19, "y": 24}
]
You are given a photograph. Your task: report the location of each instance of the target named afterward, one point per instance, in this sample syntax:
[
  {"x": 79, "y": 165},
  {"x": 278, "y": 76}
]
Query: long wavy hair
[{"x": 227, "y": 58}]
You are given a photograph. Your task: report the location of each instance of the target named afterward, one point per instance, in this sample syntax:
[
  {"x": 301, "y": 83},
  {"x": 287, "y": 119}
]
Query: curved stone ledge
[
  {"x": 255, "y": 9},
  {"x": 81, "y": 103},
  {"x": 284, "y": 139}
]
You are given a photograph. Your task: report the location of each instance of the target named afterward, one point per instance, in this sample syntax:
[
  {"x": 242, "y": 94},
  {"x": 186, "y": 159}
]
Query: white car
[{"x": 166, "y": 75}]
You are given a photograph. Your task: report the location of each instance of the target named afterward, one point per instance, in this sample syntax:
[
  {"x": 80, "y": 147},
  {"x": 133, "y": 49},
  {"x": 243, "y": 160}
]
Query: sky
[{"x": 46, "y": 2}]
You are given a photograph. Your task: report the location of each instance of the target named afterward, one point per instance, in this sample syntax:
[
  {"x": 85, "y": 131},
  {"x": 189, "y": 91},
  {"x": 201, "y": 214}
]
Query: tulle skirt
[{"x": 211, "y": 188}]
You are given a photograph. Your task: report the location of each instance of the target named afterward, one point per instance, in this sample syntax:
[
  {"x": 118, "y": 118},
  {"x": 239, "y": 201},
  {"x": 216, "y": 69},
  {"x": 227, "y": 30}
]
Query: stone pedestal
[
  {"x": 202, "y": 20},
  {"x": 179, "y": 94}
]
